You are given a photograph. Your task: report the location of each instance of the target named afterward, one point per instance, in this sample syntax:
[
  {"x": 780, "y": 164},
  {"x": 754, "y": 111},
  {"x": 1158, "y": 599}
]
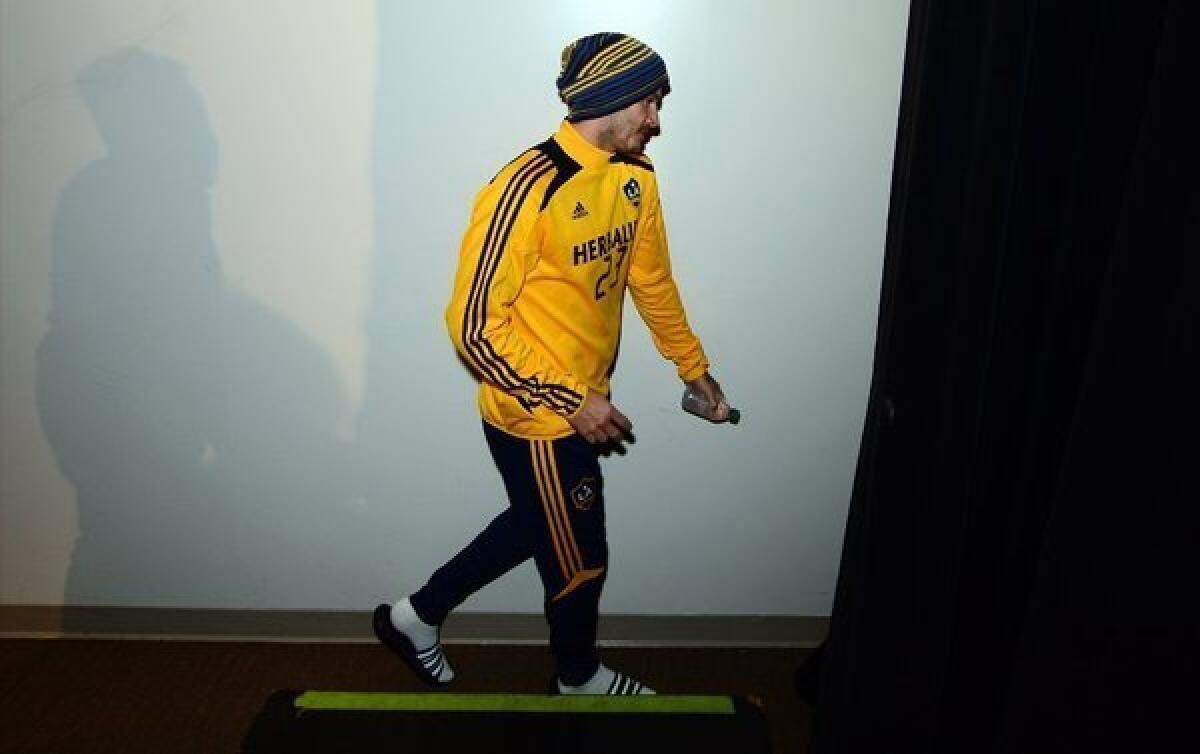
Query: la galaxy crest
[
  {"x": 633, "y": 192},
  {"x": 583, "y": 495}
]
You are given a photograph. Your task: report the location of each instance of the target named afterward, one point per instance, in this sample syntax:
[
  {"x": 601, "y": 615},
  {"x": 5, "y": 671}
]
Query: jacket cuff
[
  {"x": 582, "y": 390},
  {"x": 693, "y": 370}
]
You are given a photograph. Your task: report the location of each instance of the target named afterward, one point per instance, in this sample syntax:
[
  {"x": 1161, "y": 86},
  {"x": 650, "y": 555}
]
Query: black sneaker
[{"x": 426, "y": 664}]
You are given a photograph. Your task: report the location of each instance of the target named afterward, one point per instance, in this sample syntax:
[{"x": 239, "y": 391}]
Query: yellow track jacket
[{"x": 554, "y": 241}]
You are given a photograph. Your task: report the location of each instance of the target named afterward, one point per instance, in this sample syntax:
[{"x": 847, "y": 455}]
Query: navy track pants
[{"x": 556, "y": 516}]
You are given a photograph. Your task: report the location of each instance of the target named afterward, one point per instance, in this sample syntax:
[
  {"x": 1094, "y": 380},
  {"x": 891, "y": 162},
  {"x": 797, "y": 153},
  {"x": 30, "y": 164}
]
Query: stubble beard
[{"x": 626, "y": 141}]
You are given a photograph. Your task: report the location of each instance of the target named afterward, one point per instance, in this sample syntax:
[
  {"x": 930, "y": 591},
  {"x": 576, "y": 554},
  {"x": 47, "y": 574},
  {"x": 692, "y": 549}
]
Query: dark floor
[{"x": 59, "y": 695}]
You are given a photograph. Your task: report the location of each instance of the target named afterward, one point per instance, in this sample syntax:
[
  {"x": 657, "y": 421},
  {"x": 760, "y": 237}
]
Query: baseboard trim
[{"x": 349, "y": 626}]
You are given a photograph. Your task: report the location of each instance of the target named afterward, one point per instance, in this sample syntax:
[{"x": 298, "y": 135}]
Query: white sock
[
  {"x": 607, "y": 681},
  {"x": 424, "y": 638}
]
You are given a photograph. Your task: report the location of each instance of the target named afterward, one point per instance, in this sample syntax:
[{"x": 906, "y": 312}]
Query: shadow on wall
[{"x": 198, "y": 427}]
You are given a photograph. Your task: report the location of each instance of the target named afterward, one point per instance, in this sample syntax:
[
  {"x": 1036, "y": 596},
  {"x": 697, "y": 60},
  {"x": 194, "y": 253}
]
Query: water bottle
[{"x": 695, "y": 403}]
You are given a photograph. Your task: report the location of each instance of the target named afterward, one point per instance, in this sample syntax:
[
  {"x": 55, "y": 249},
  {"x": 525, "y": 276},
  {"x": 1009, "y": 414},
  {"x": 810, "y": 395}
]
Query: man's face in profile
[{"x": 632, "y": 128}]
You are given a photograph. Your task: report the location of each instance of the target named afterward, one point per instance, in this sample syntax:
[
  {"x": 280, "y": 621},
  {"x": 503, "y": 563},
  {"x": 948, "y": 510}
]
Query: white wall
[{"x": 228, "y": 233}]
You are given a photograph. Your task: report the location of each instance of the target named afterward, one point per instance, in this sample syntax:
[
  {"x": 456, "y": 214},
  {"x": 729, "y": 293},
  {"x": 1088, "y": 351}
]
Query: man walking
[{"x": 554, "y": 241}]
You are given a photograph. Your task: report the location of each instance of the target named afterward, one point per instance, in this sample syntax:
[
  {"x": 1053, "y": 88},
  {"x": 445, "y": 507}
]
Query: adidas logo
[{"x": 580, "y": 211}]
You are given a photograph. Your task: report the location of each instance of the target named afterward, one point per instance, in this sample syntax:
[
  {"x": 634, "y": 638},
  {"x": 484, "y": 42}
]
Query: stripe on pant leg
[
  {"x": 581, "y": 575},
  {"x": 561, "y": 503},
  {"x": 570, "y": 551},
  {"x": 546, "y": 509},
  {"x": 578, "y": 580}
]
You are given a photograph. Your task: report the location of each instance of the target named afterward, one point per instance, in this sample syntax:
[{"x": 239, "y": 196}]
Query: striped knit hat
[{"x": 603, "y": 73}]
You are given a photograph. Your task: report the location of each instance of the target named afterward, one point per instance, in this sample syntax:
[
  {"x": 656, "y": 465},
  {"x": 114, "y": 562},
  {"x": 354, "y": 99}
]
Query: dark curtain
[{"x": 1018, "y": 573}]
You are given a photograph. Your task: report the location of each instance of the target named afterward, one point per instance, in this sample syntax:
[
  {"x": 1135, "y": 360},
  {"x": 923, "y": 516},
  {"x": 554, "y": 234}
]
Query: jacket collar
[{"x": 579, "y": 148}]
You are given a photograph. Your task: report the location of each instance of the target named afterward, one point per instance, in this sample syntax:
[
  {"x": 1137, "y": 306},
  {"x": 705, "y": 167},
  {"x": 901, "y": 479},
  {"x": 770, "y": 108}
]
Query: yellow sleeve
[
  {"x": 657, "y": 299},
  {"x": 498, "y": 250}
]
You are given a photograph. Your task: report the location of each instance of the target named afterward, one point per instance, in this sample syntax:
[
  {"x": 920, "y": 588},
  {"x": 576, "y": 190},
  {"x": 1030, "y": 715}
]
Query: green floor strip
[{"x": 652, "y": 704}]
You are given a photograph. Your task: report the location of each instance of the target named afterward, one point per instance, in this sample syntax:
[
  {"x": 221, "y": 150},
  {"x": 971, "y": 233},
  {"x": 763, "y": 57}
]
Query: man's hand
[
  {"x": 599, "y": 421},
  {"x": 711, "y": 390}
]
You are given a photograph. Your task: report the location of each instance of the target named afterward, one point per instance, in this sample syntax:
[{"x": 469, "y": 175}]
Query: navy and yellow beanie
[{"x": 603, "y": 73}]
